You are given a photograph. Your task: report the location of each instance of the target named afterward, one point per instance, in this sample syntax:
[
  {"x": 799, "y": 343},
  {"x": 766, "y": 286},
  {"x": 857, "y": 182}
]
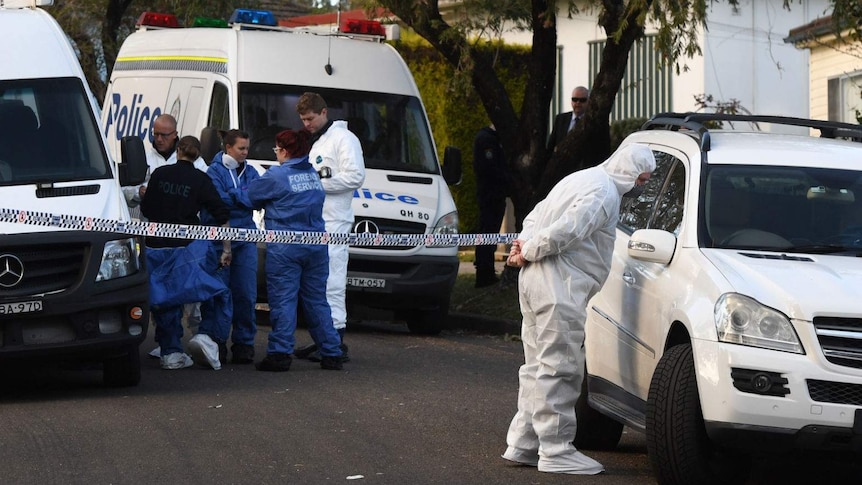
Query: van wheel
[
  {"x": 428, "y": 322},
  {"x": 123, "y": 371},
  {"x": 595, "y": 431},
  {"x": 679, "y": 449}
]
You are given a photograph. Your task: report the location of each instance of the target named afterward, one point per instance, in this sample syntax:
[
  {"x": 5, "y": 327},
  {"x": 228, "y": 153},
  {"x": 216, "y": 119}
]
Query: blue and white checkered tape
[{"x": 181, "y": 231}]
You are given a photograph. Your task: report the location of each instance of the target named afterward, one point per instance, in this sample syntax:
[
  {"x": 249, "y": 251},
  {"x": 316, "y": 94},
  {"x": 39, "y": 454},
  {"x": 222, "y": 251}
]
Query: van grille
[
  {"x": 47, "y": 268},
  {"x": 389, "y": 226},
  {"x": 840, "y": 339},
  {"x": 835, "y": 392}
]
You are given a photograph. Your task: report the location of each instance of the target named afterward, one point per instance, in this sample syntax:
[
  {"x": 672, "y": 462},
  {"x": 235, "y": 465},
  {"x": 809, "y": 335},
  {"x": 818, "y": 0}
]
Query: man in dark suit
[{"x": 564, "y": 122}]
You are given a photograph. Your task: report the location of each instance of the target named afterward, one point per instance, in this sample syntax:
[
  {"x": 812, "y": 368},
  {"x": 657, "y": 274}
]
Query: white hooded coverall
[
  {"x": 568, "y": 241},
  {"x": 339, "y": 149}
]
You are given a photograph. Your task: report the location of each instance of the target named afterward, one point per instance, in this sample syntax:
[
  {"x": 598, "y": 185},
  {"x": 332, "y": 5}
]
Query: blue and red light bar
[{"x": 254, "y": 17}]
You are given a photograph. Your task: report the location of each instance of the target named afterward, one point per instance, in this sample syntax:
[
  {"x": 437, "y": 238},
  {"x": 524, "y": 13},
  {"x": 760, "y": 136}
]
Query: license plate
[
  {"x": 366, "y": 282},
  {"x": 20, "y": 307}
]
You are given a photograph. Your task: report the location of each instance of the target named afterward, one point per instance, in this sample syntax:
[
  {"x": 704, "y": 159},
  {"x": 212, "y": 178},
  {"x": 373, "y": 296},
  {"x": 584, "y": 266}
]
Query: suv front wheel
[{"x": 677, "y": 443}]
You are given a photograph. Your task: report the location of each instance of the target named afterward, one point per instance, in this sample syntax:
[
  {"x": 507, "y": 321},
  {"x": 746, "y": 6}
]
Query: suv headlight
[
  {"x": 742, "y": 320},
  {"x": 447, "y": 224},
  {"x": 119, "y": 258}
]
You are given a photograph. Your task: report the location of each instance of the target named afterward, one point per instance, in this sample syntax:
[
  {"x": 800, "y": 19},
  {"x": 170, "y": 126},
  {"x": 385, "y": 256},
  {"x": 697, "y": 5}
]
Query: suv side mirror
[
  {"x": 133, "y": 161},
  {"x": 452, "y": 165},
  {"x": 653, "y": 245},
  {"x": 210, "y": 143}
]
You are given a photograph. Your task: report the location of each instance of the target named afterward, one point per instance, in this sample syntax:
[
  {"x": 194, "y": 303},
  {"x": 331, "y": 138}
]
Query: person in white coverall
[
  {"x": 564, "y": 252},
  {"x": 336, "y": 155}
]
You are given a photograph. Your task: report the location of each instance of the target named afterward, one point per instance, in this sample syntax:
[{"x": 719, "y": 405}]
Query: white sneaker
[
  {"x": 204, "y": 349},
  {"x": 177, "y": 360},
  {"x": 521, "y": 457},
  {"x": 575, "y": 463},
  {"x": 156, "y": 353}
]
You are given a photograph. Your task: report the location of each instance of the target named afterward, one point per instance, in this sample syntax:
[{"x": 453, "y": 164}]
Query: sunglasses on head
[{"x": 579, "y": 100}]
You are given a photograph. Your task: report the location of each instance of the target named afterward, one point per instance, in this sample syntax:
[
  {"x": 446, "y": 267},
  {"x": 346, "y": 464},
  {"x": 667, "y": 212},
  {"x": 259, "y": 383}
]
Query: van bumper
[
  {"x": 81, "y": 319},
  {"x": 408, "y": 282}
]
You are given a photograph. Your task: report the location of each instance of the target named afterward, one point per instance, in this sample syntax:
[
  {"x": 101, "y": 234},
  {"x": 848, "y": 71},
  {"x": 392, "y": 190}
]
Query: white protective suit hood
[{"x": 626, "y": 164}]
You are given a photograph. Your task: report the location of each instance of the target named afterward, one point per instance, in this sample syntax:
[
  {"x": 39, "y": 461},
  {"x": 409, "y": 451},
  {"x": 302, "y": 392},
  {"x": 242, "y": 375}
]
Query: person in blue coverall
[
  {"x": 183, "y": 271},
  {"x": 292, "y": 196},
  {"x": 231, "y": 176}
]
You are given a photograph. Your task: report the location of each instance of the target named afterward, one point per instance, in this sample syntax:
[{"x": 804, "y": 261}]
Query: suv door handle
[{"x": 628, "y": 278}]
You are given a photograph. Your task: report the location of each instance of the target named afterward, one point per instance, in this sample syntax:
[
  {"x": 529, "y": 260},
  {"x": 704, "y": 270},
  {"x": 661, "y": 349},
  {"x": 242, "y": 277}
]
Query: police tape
[{"x": 181, "y": 231}]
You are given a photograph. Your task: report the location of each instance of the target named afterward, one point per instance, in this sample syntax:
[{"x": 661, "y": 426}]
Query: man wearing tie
[{"x": 564, "y": 122}]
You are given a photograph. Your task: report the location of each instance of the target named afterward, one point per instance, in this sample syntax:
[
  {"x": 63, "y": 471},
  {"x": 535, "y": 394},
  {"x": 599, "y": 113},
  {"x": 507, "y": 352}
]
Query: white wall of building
[{"x": 744, "y": 57}]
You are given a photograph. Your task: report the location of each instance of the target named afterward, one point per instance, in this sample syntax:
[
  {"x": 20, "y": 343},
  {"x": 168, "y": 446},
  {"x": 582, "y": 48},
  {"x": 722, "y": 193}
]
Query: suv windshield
[
  {"x": 391, "y": 128},
  {"x": 48, "y": 133},
  {"x": 813, "y": 210}
]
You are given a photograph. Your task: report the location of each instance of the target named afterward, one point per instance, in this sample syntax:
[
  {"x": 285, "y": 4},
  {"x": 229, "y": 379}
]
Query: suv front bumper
[{"x": 790, "y": 419}]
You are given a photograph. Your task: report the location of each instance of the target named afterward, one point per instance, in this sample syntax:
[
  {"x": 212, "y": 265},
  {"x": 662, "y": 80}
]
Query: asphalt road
[{"x": 406, "y": 409}]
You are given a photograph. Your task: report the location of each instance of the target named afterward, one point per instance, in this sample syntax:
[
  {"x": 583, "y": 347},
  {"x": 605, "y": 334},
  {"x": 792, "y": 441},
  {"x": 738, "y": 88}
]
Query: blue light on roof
[{"x": 257, "y": 17}]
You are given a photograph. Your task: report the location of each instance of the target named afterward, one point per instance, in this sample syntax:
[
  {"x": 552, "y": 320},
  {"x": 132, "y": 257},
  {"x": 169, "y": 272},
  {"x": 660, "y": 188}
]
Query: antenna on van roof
[{"x": 328, "y": 66}]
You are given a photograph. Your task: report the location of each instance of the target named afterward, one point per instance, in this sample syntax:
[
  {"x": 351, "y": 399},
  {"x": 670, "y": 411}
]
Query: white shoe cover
[
  {"x": 521, "y": 457},
  {"x": 156, "y": 353},
  {"x": 575, "y": 463},
  {"x": 177, "y": 360},
  {"x": 204, "y": 349}
]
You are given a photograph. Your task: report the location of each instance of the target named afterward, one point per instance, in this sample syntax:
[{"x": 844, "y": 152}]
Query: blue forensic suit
[
  {"x": 241, "y": 275},
  {"x": 292, "y": 197},
  {"x": 182, "y": 271}
]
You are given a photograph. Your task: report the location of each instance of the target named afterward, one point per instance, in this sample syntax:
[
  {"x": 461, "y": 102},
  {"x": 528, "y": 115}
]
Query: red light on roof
[
  {"x": 152, "y": 19},
  {"x": 368, "y": 27}
]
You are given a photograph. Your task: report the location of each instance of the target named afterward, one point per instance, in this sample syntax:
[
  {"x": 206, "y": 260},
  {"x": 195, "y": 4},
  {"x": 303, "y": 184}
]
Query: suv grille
[
  {"x": 391, "y": 226},
  {"x": 840, "y": 339},
  {"x": 47, "y": 268},
  {"x": 835, "y": 392}
]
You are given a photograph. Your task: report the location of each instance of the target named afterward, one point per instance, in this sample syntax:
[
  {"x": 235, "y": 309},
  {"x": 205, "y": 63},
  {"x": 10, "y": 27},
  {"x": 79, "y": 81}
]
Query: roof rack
[{"x": 695, "y": 123}]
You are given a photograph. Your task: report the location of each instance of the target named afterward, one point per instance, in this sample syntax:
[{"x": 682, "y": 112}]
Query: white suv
[{"x": 732, "y": 317}]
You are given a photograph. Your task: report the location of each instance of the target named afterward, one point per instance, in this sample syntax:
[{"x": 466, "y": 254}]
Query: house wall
[
  {"x": 744, "y": 57},
  {"x": 829, "y": 62}
]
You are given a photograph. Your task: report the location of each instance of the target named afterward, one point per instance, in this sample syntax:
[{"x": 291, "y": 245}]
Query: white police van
[
  {"x": 248, "y": 73},
  {"x": 65, "y": 293}
]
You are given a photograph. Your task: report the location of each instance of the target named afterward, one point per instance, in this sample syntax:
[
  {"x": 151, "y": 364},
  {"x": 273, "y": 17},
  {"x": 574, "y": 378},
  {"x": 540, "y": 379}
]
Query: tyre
[
  {"x": 123, "y": 371},
  {"x": 428, "y": 322},
  {"x": 679, "y": 449},
  {"x": 595, "y": 430}
]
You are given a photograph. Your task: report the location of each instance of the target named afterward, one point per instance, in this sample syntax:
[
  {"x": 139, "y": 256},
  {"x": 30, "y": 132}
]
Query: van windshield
[
  {"x": 798, "y": 209},
  {"x": 391, "y": 128},
  {"x": 48, "y": 133}
]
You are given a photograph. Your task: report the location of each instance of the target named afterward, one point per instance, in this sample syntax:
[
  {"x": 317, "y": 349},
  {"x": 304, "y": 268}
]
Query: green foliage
[
  {"x": 454, "y": 109},
  {"x": 623, "y": 128}
]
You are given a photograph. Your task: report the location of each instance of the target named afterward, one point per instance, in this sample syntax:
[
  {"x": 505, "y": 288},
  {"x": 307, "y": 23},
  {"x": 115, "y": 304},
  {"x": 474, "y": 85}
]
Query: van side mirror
[
  {"x": 452, "y": 165},
  {"x": 210, "y": 143},
  {"x": 133, "y": 161}
]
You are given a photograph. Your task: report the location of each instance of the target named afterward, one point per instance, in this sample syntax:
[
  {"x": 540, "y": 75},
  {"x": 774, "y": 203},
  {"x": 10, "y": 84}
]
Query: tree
[
  {"x": 97, "y": 28},
  {"x": 524, "y": 134}
]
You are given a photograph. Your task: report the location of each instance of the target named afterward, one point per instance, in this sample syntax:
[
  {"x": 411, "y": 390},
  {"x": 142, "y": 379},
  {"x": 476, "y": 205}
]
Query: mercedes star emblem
[
  {"x": 11, "y": 270},
  {"x": 366, "y": 227}
]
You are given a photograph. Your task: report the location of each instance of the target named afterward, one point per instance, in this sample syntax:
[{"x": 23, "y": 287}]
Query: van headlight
[
  {"x": 119, "y": 258},
  {"x": 742, "y": 320},
  {"x": 447, "y": 225}
]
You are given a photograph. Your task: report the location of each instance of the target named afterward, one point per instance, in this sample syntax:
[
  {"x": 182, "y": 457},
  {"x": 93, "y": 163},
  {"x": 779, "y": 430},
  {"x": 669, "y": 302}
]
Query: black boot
[
  {"x": 486, "y": 278},
  {"x": 305, "y": 352},
  {"x": 344, "y": 356},
  {"x": 275, "y": 363}
]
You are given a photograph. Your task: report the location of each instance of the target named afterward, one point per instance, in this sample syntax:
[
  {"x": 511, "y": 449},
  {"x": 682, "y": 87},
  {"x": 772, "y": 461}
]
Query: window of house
[{"x": 845, "y": 98}]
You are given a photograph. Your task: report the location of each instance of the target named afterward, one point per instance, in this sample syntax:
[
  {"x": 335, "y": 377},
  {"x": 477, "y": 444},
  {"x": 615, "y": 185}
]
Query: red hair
[{"x": 297, "y": 143}]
